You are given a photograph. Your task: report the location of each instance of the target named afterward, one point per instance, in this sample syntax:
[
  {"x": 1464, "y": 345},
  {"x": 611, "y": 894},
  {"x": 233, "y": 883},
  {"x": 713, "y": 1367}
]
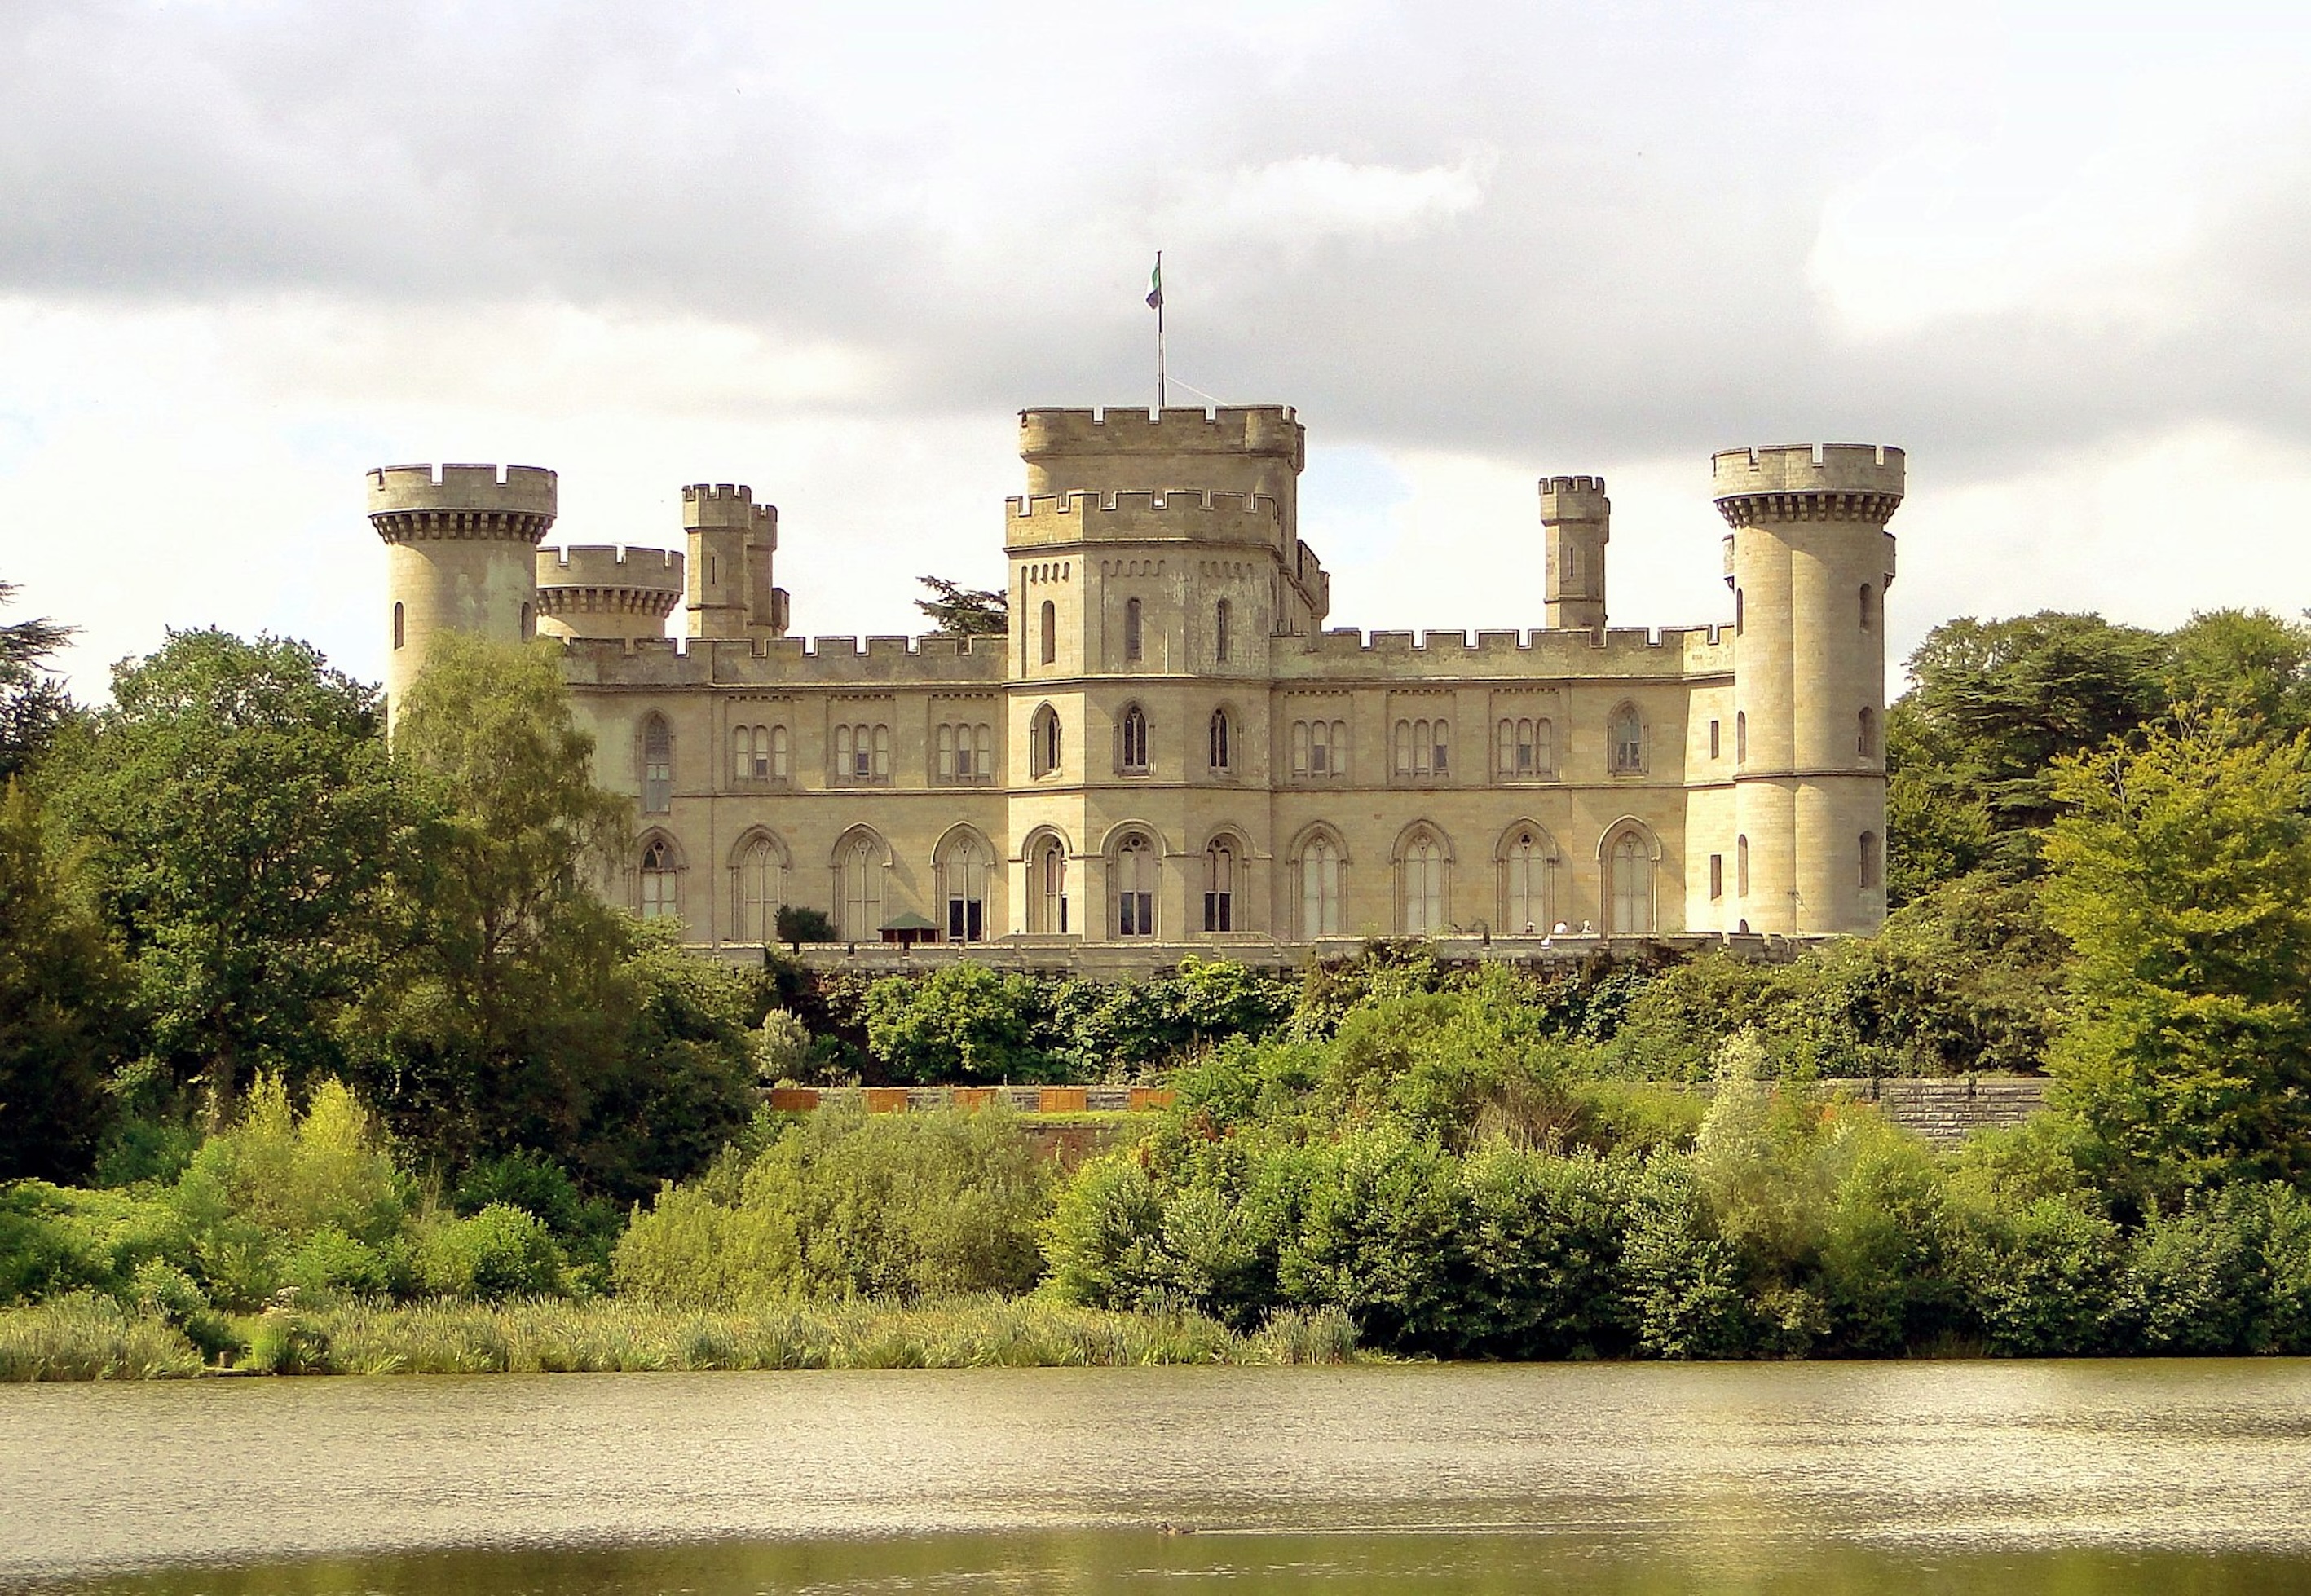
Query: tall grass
[{"x": 547, "y": 1335}]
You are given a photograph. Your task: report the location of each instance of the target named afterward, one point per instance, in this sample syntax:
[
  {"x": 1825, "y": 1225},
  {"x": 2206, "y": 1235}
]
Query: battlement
[
  {"x": 654, "y": 570},
  {"x": 728, "y": 504},
  {"x": 788, "y": 663},
  {"x": 1181, "y": 514},
  {"x": 1573, "y": 499},
  {"x": 1237, "y": 430},
  {"x": 1807, "y": 482},
  {"x": 1545, "y": 654},
  {"x": 468, "y": 501}
]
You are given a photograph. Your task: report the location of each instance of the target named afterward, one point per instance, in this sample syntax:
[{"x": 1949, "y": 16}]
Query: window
[
  {"x": 1323, "y": 881},
  {"x": 1134, "y": 639},
  {"x": 1869, "y": 608},
  {"x": 1865, "y": 734},
  {"x": 657, "y": 766},
  {"x": 1422, "y": 872},
  {"x": 659, "y": 893},
  {"x": 1713, "y": 748},
  {"x": 1423, "y": 748},
  {"x": 1132, "y": 755},
  {"x": 1741, "y": 735},
  {"x": 524, "y": 623},
  {"x": 962, "y": 752},
  {"x": 1716, "y": 876},
  {"x": 1135, "y": 889},
  {"x": 779, "y": 770},
  {"x": 1219, "y": 740},
  {"x": 1626, "y": 741},
  {"x": 398, "y": 619},
  {"x": 1740, "y": 867},
  {"x": 1222, "y": 614},
  {"x": 1629, "y": 887},
  {"x": 1220, "y": 887},
  {"x": 1873, "y": 863},
  {"x": 963, "y": 881},
  {"x": 1049, "y": 624},
  {"x": 1524, "y": 885},
  {"x": 1737, "y": 612},
  {"x": 1043, "y": 742},
  {"x": 1048, "y": 908},
  {"x": 1526, "y": 749},
  {"x": 1319, "y": 749},
  {"x": 758, "y": 753},
  {"x": 862, "y": 752},
  {"x": 755, "y": 893},
  {"x": 1572, "y": 568},
  {"x": 860, "y": 867}
]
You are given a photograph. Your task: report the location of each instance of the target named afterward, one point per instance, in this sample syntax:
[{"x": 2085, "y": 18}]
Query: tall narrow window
[
  {"x": 1629, "y": 887},
  {"x": 524, "y": 624},
  {"x": 1740, "y": 737},
  {"x": 1716, "y": 876},
  {"x": 943, "y": 767},
  {"x": 1222, "y": 615},
  {"x": 1302, "y": 749},
  {"x": 778, "y": 768},
  {"x": 1524, "y": 885},
  {"x": 1865, "y": 734},
  {"x": 1050, "y": 901},
  {"x": 1134, "y": 751},
  {"x": 1220, "y": 887},
  {"x": 965, "y": 880},
  {"x": 1135, "y": 889},
  {"x": 1423, "y": 889},
  {"x": 1873, "y": 863},
  {"x": 1737, "y": 612},
  {"x": 1740, "y": 867},
  {"x": 1713, "y": 740},
  {"x": 399, "y": 636},
  {"x": 1869, "y": 608},
  {"x": 659, "y": 893},
  {"x": 880, "y": 771},
  {"x": 1049, "y": 623},
  {"x": 1627, "y": 741},
  {"x": 983, "y": 753},
  {"x": 1135, "y": 646},
  {"x": 862, "y": 891},
  {"x": 1043, "y": 742},
  {"x": 1323, "y": 878},
  {"x": 1219, "y": 740},
  {"x": 1441, "y": 747},
  {"x": 742, "y": 752},
  {"x": 1404, "y": 747},
  {"x": 657, "y": 766},
  {"x": 755, "y": 893}
]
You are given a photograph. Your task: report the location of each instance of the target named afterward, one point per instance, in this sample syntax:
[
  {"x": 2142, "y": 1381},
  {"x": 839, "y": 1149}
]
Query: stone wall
[{"x": 1942, "y": 1110}]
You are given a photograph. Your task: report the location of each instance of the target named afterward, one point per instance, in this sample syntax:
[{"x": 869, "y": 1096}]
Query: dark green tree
[
  {"x": 63, "y": 1010},
  {"x": 2254, "y": 663},
  {"x": 33, "y": 704},
  {"x": 240, "y": 820},
  {"x": 972, "y": 612}
]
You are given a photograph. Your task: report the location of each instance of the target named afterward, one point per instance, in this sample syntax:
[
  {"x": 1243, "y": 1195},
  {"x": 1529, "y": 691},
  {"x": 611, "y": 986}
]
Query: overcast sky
[{"x": 248, "y": 249}]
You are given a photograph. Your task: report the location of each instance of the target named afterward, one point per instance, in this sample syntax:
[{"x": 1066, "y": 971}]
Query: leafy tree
[
  {"x": 798, "y": 925},
  {"x": 33, "y": 704},
  {"x": 963, "y": 1022},
  {"x": 2252, "y": 662},
  {"x": 971, "y": 612},
  {"x": 240, "y": 820},
  {"x": 63, "y": 1014},
  {"x": 2182, "y": 876}
]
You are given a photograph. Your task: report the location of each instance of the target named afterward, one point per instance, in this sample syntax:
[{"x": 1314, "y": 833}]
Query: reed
[{"x": 552, "y": 1336}]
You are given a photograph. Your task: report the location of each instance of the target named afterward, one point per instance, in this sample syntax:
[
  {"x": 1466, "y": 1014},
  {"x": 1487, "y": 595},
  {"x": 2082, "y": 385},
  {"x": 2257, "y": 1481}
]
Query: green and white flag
[{"x": 1156, "y": 283}]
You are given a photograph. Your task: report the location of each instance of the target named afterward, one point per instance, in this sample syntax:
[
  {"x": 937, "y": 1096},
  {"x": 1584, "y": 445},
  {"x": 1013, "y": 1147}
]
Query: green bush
[
  {"x": 963, "y": 1023},
  {"x": 2043, "y": 1281},
  {"x": 500, "y": 1252}
]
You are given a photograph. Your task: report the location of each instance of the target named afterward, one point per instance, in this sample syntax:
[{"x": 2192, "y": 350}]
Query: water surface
[{"x": 1910, "y": 1477}]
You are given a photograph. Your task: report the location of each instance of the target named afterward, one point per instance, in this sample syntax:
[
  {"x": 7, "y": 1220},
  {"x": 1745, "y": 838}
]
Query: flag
[{"x": 1156, "y": 284}]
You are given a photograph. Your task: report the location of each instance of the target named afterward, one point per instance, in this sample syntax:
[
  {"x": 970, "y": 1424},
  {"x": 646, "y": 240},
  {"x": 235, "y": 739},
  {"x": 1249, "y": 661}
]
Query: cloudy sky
[{"x": 250, "y": 247}]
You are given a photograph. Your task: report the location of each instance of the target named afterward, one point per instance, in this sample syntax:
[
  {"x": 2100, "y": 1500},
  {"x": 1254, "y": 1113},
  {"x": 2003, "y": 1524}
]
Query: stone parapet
[{"x": 408, "y": 504}]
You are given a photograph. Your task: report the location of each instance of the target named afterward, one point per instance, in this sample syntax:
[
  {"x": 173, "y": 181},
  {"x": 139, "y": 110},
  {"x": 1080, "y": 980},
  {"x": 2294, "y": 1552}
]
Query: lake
[{"x": 1897, "y": 1478}]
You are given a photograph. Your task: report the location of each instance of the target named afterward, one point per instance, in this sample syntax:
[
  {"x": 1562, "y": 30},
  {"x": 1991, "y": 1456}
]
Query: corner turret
[
  {"x": 732, "y": 543},
  {"x": 458, "y": 542},
  {"x": 606, "y": 592},
  {"x": 1576, "y": 522}
]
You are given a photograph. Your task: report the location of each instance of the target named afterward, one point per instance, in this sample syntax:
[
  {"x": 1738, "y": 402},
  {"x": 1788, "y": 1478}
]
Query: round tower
[
  {"x": 610, "y": 593},
  {"x": 1576, "y": 523},
  {"x": 460, "y": 544},
  {"x": 1810, "y": 563}
]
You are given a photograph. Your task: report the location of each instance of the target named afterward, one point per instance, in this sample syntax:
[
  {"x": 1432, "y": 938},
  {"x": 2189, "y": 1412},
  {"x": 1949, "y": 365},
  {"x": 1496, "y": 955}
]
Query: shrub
[
  {"x": 500, "y": 1252},
  {"x": 2042, "y": 1281},
  {"x": 963, "y": 1023},
  {"x": 1681, "y": 1286},
  {"x": 1543, "y": 1245}
]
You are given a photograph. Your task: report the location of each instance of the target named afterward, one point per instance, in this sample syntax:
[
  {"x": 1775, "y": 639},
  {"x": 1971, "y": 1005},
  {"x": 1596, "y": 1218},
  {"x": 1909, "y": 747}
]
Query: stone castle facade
[{"x": 1169, "y": 751}]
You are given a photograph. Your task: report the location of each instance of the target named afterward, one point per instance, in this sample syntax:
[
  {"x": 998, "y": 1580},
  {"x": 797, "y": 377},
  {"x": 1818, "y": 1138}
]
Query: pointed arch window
[
  {"x": 1131, "y": 754},
  {"x": 1865, "y": 734},
  {"x": 1740, "y": 737},
  {"x": 1740, "y": 867},
  {"x": 1048, "y": 906},
  {"x": 1422, "y": 892},
  {"x": 399, "y": 624},
  {"x": 660, "y": 896},
  {"x": 1626, "y": 741},
  {"x": 860, "y": 867},
  {"x": 1048, "y": 630},
  {"x": 1220, "y": 887},
  {"x": 1524, "y": 884},
  {"x": 657, "y": 766},
  {"x": 1629, "y": 887},
  {"x": 1323, "y": 882},
  {"x": 1223, "y": 619},
  {"x": 1134, "y": 642},
  {"x": 757, "y": 882},
  {"x": 1221, "y": 752},
  {"x": 1135, "y": 888},
  {"x": 1043, "y": 742},
  {"x": 963, "y": 880}
]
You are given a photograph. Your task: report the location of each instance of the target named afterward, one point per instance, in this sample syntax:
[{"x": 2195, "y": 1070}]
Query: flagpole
[{"x": 1159, "y": 331}]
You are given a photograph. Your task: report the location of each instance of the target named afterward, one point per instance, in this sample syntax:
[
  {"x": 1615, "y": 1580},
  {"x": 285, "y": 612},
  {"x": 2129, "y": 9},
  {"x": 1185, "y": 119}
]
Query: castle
[{"x": 1169, "y": 752}]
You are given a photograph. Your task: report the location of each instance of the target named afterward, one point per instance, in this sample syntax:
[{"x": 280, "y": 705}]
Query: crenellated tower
[
  {"x": 460, "y": 544},
  {"x": 732, "y": 543},
  {"x": 1576, "y": 523},
  {"x": 1810, "y": 560},
  {"x": 601, "y": 592}
]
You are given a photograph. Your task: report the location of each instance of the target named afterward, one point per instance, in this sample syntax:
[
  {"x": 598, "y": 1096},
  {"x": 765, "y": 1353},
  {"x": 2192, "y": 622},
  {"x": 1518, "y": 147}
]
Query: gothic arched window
[
  {"x": 755, "y": 893},
  {"x": 860, "y": 867},
  {"x": 1422, "y": 887},
  {"x": 1220, "y": 750},
  {"x": 1220, "y": 887},
  {"x": 1629, "y": 887},
  {"x": 1048, "y": 907},
  {"x": 963, "y": 880},
  {"x": 1323, "y": 881},
  {"x": 1043, "y": 742},
  {"x": 657, "y": 766},
  {"x": 1626, "y": 741},
  {"x": 1131, "y": 754},
  {"x": 1524, "y": 884},
  {"x": 659, "y": 893},
  {"x": 1135, "y": 888}
]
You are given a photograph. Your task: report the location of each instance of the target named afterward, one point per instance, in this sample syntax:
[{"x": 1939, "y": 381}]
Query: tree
[
  {"x": 969, "y": 612},
  {"x": 2181, "y": 873},
  {"x": 2250, "y": 662},
  {"x": 33, "y": 704},
  {"x": 240, "y": 819},
  {"x": 963, "y": 1023},
  {"x": 63, "y": 1014}
]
